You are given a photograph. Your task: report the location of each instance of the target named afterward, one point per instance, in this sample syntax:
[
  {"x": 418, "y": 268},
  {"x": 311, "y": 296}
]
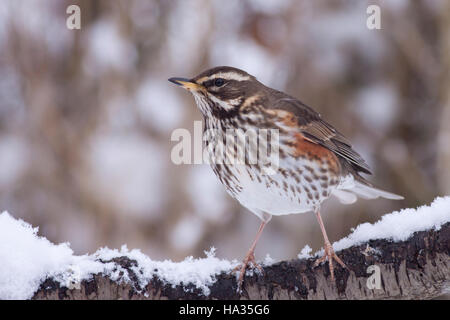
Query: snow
[
  {"x": 305, "y": 253},
  {"x": 395, "y": 226},
  {"x": 400, "y": 225},
  {"x": 28, "y": 259},
  {"x": 200, "y": 272},
  {"x": 268, "y": 260}
]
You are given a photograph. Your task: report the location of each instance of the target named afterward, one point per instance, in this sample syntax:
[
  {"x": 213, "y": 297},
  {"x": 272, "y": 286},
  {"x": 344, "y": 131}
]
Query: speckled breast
[{"x": 305, "y": 177}]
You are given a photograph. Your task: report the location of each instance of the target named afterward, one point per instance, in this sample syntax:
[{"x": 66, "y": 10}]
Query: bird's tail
[{"x": 349, "y": 192}]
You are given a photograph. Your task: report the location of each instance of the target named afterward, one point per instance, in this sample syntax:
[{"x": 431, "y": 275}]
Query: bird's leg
[
  {"x": 250, "y": 257},
  {"x": 329, "y": 252}
]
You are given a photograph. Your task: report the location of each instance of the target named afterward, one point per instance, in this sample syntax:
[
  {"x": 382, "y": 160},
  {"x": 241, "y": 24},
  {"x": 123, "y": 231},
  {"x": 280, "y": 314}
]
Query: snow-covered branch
[{"x": 405, "y": 255}]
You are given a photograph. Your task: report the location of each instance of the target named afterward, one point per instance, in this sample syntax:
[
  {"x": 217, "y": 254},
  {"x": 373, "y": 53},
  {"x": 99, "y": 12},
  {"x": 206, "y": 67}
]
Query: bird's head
[{"x": 223, "y": 92}]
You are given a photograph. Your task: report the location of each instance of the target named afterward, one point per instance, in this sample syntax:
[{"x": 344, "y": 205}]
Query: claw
[
  {"x": 330, "y": 256},
  {"x": 248, "y": 260}
]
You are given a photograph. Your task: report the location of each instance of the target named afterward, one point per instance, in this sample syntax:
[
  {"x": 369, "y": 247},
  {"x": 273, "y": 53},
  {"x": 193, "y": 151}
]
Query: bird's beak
[{"x": 185, "y": 83}]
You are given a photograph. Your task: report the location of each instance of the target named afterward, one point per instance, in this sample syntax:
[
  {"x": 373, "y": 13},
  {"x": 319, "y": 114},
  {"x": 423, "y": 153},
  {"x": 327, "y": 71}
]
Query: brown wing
[{"x": 320, "y": 132}]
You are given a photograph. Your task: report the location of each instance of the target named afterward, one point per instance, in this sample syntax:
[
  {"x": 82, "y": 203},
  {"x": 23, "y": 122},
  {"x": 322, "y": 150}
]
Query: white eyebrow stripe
[
  {"x": 227, "y": 76},
  {"x": 231, "y": 76}
]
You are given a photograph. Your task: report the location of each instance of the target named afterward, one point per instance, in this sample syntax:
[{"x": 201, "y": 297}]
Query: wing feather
[{"x": 313, "y": 127}]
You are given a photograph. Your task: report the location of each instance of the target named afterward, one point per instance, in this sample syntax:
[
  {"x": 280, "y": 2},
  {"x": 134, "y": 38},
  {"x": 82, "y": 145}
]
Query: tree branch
[{"x": 418, "y": 268}]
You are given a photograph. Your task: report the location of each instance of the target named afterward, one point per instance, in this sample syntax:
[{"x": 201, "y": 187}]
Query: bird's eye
[{"x": 219, "y": 82}]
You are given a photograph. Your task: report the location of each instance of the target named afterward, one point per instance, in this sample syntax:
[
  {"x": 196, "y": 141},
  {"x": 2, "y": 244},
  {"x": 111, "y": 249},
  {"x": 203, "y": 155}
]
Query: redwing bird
[{"x": 315, "y": 161}]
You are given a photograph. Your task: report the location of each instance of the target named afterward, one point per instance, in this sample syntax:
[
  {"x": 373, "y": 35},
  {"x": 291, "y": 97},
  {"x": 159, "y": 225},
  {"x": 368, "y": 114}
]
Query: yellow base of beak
[{"x": 185, "y": 83}]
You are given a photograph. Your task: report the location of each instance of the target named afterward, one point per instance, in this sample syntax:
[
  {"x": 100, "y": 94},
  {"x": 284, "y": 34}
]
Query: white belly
[
  {"x": 297, "y": 191},
  {"x": 269, "y": 198}
]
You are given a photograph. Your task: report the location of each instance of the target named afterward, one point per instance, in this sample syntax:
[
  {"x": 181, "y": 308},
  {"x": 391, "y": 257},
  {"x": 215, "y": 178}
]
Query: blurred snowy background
[{"x": 86, "y": 115}]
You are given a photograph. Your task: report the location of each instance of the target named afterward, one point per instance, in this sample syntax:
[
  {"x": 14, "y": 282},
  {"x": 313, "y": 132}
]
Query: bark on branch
[{"x": 418, "y": 268}]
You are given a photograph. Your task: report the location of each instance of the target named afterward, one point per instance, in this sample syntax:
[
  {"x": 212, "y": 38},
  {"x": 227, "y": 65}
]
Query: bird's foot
[
  {"x": 249, "y": 261},
  {"x": 330, "y": 256}
]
